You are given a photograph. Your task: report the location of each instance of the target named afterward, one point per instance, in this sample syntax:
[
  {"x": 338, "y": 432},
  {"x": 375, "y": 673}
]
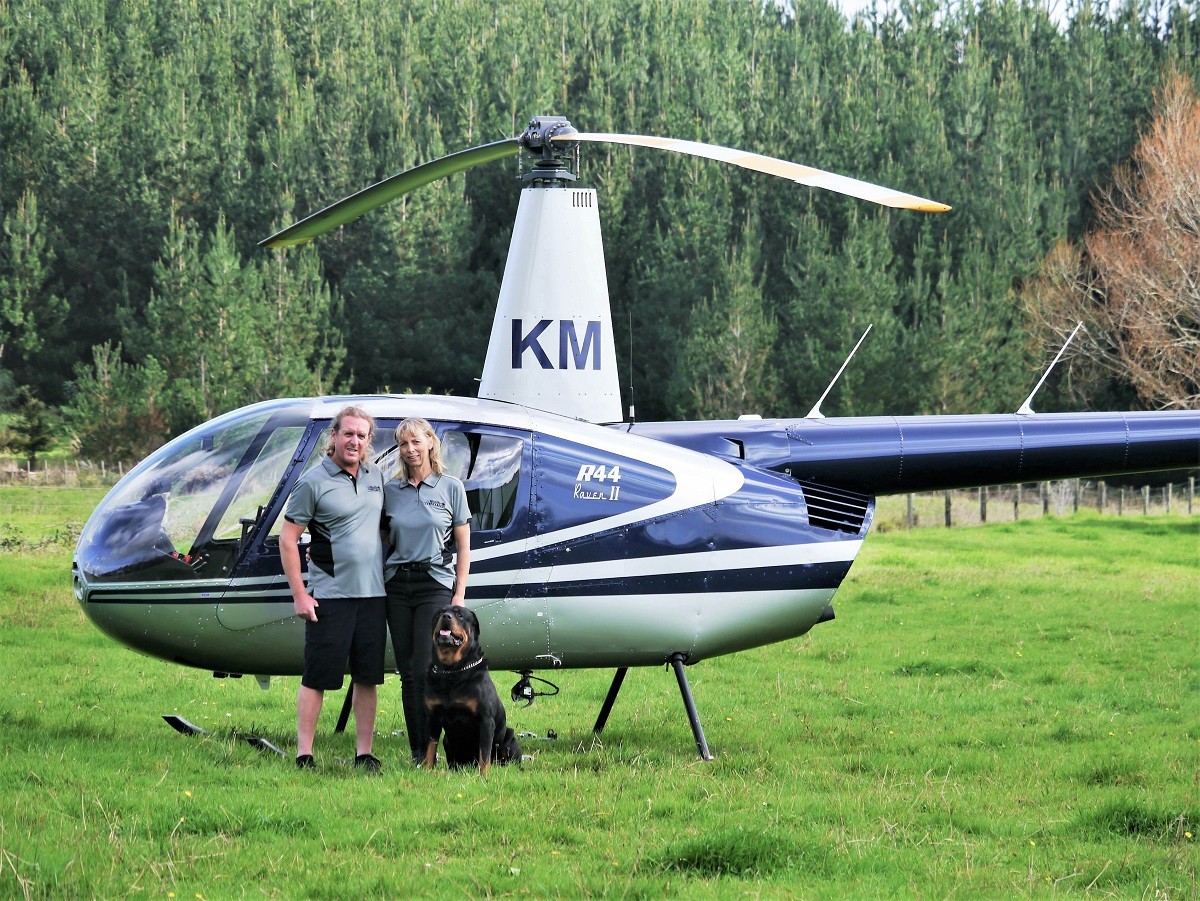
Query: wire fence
[
  {"x": 62, "y": 473},
  {"x": 1008, "y": 503}
]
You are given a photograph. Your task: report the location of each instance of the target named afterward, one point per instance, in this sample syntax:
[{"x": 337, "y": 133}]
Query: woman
[{"x": 429, "y": 525}]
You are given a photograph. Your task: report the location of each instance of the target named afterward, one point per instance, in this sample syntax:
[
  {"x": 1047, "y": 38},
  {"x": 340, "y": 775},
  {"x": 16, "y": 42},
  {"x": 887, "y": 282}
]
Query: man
[{"x": 340, "y": 502}]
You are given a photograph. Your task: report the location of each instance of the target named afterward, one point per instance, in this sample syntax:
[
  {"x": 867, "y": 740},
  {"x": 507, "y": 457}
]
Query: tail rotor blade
[
  {"x": 805, "y": 175},
  {"x": 350, "y": 208}
]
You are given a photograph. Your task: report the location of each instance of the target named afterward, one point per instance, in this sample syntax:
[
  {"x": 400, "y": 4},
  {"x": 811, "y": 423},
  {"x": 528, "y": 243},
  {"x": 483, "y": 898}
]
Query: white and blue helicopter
[{"x": 596, "y": 542}]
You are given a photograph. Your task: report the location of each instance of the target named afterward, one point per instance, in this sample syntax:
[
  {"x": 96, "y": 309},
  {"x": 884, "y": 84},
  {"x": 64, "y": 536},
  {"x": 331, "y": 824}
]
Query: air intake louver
[{"x": 834, "y": 508}]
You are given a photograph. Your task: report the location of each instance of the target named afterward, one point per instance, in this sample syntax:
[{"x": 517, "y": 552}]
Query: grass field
[{"x": 998, "y": 711}]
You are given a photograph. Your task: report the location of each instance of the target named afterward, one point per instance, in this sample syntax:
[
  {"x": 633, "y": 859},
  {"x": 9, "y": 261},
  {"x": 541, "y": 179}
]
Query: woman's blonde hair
[{"x": 415, "y": 425}]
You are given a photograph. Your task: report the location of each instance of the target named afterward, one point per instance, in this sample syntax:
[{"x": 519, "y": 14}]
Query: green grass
[
  {"x": 997, "y": 711},
  {"x": 45, "y": 517}
]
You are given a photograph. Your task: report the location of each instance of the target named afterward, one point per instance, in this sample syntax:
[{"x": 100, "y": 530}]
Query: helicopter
[{"x": 596, "y": 541}]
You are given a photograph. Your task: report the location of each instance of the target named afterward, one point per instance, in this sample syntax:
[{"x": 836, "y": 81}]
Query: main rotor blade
[
  {"x": 349, "y": 208},
  {"x": 805, "y": 175}
]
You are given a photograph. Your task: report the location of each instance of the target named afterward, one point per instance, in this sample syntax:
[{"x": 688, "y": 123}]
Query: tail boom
[{"x": 898, "y": 454}]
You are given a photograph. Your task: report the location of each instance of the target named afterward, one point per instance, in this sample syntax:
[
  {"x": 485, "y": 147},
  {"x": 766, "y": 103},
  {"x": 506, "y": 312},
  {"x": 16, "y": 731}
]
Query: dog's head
[{"x": 455, "y": 636}]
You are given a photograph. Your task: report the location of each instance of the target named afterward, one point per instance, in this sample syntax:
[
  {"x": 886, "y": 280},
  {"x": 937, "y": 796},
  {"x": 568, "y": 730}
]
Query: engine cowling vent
[{"x": 835, "y": 508}]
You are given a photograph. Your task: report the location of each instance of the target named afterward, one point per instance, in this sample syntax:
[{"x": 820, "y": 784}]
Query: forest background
[{"x": 147, "y": 146}]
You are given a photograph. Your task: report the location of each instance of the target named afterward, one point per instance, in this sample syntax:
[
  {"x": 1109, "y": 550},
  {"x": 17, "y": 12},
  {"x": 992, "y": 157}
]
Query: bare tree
[{"x": 1135, "y": 282}]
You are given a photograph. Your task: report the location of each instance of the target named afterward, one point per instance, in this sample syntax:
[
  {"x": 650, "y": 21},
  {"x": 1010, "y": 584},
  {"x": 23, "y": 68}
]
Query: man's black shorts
[{"x": 346, "y": 628}]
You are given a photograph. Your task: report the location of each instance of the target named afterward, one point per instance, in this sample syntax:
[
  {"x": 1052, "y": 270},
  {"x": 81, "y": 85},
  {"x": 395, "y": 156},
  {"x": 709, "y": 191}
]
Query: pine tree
[
  {"x": 838, "y": 293},
  {"x": 724, "y": 367},
  {"x": 304, "y": 349},
  {"x": 116, "y": 410},
  {"x": 27, "y": 309}
]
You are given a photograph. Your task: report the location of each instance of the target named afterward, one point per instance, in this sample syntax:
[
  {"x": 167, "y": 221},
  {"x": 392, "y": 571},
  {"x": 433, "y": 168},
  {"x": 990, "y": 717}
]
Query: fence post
[
  {"x": 1145, "y": 500},
  {"x": 1044, "y": 488},
  {"x": 1121, "y": 501},
  {"x": 1075, "y": 491},
  {"x": 947, "y": 509},
  {"x": 909, "y": 517},
  {"x": 1017, "y": 503},
  {"x": 1167, "y": 492},
  {"x": 1103, "y": 504},
  {"x": 1191, "y": 492}
]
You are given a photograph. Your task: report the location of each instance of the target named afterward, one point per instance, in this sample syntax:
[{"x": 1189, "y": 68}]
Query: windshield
[{"x": 182, "y": 511}]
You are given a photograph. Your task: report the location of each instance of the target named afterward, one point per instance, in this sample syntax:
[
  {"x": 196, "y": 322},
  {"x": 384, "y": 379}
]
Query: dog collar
[{"x": 440, "y": 671}]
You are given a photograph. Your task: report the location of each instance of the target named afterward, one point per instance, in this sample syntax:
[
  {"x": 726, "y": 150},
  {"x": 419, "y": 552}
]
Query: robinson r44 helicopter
[{"x": 594, "y": 542}]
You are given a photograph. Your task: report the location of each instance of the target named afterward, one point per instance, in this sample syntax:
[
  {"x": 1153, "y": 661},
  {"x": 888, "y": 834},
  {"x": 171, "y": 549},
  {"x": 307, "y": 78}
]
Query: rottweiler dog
[{"x": 461, "y": 697}]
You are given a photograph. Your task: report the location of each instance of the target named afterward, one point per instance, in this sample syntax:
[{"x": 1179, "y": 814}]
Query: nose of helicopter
[{"x": 142, "y": 618}]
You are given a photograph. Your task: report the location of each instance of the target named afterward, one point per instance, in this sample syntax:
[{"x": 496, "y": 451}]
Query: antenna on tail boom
[
  {"x": 1025, "y": 409},
  {"x": 632, "y": 407},
  {"x": 815, "y": 412}
]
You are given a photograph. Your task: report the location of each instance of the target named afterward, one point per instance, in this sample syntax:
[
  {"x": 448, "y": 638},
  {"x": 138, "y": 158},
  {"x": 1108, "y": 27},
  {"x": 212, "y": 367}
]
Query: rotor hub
[{"x": 557, "y": 160}]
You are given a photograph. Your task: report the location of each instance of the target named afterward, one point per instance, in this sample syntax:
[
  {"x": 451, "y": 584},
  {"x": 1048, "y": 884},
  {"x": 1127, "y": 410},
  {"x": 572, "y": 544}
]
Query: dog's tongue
[{"x": 444, "y": 633}]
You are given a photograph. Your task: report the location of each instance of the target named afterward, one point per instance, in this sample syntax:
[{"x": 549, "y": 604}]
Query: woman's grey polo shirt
[
  {"x": 420, "y": 521},
  {"x": 343, "y": 515}
]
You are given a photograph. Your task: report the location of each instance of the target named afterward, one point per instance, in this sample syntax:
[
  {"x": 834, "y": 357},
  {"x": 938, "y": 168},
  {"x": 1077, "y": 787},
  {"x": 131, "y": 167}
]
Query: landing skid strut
[
  {"x": 347, "y": 704},
  {"x": 179, "y": 724},
  {"x": 676, "y": 661}
]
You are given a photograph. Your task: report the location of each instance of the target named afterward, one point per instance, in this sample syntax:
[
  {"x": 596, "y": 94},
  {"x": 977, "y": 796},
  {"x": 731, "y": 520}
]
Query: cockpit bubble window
[
  {"x": 259, "y": 483},
  {"x": 190, "y": 480},
  {"x": 389, "y": 462},
  {"x": 177, "y": 514}
]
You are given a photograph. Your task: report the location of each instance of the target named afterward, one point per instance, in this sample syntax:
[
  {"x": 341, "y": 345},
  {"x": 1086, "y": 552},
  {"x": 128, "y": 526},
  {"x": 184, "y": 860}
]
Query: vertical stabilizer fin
[{"x": 551, "y": 346}]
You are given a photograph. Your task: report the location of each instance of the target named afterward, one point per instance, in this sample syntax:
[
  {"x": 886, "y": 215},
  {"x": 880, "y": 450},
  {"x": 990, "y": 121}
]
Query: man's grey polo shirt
[
  {"x": 421, "y": 521},
  {"x": 343, "y": 516}
]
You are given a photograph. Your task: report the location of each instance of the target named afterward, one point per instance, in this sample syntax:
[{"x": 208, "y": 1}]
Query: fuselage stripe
[{"x": 806, "y": 576}]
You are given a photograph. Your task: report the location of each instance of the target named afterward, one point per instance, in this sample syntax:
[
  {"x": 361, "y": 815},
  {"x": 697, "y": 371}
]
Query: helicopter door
[{"x": 494, "y": 464}]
